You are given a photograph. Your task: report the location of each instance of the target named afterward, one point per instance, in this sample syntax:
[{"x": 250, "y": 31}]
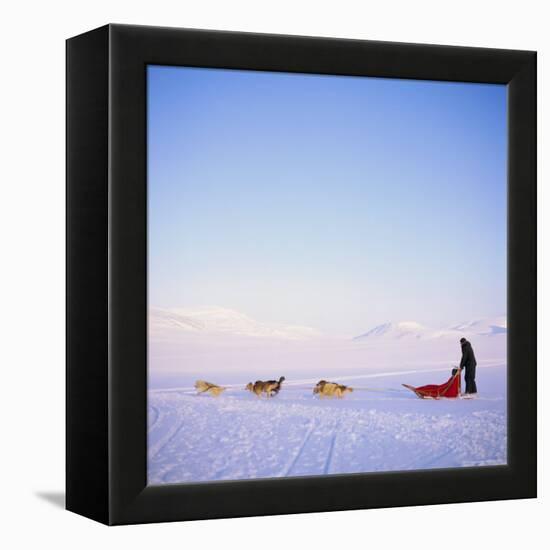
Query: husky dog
[
  {"x": 206, "y": 387},
  {"x": 269, "y": 387},
  {"x": 255, "y": 387},
  {"x": 331, "y": 389}
]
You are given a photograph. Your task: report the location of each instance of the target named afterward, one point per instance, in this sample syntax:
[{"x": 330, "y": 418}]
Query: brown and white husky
[
  {"x": 331, "y": 389},
  {"x": 269, "y": 387}
]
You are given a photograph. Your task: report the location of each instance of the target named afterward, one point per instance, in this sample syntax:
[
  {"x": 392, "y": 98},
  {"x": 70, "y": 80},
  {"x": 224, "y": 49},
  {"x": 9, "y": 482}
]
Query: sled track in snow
[
  {"x": 424, "y": 460},
  {"x": 330, "y": 453},
  {"x": 300, "y": 450},
  {"x": 156, "y": 415},
  {"x": 160, "y": 446},
  {"x": 433, "y": 460}
]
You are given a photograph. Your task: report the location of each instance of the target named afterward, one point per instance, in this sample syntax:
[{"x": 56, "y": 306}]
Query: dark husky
[{"x": 269, "y": 387}]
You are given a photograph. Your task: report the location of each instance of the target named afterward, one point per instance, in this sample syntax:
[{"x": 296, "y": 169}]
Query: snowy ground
[{"x": 379, "y": 427}]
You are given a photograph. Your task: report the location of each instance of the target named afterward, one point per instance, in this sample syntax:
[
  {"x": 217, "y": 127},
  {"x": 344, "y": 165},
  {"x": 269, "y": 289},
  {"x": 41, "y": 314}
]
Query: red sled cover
[{"x": 451, "y": 389}]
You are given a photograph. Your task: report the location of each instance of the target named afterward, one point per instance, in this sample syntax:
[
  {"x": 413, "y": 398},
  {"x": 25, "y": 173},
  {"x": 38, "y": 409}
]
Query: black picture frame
[{"x": 107, "y": 267}]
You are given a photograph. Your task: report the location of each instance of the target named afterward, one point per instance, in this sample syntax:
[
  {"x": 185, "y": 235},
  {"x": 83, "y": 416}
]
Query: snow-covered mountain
[
  {"x": 220, "y": 340},
  {"x": 409, "y": 330},
  {"x": 223, "y": 321},
  {"x": 395, "y": 331},
  {"x": 217, "y": 320},
  {"x": 484, "y": 327}
]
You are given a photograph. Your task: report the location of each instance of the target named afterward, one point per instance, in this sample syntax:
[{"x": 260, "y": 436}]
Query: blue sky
[{"x": 332, "y": 202}]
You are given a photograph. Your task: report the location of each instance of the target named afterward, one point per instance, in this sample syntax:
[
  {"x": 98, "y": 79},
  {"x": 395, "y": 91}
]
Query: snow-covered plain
[{"x": 381, "y": 426}]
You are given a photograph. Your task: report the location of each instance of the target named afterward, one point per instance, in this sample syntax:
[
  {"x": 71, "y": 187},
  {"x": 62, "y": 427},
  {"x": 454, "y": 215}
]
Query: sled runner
[{"x": 451, "y": 389}]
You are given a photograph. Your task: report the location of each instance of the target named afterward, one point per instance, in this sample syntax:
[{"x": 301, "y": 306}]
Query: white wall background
[{"x": 32, "y": 270}]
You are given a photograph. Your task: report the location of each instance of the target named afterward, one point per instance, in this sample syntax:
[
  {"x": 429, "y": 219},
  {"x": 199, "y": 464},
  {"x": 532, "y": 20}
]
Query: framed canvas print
[{"x": 301, "y": 274}]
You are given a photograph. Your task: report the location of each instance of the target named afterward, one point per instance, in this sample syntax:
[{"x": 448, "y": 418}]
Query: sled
[{"x": 448, "y": 390}]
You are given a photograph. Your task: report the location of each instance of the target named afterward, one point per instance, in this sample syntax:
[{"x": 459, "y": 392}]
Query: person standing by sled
[{"x": 469, "y": 363}]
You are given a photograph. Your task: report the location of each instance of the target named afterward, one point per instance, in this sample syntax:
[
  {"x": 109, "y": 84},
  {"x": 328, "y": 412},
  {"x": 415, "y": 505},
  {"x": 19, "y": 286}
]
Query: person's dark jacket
[{"x": 468, "y": 357}]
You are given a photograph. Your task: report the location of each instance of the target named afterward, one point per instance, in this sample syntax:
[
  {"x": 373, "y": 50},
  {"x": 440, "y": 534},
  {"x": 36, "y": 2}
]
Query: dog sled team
[
  {"x": 450, "y": 389},
  {"x": 272, "y": 387}
]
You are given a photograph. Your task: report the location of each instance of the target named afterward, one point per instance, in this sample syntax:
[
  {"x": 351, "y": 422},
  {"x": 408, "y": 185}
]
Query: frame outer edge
[
  {"x": 131, "y": 48},
  {"x": 86, "y": 276},
  {"x": 522, "y": 262}
]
